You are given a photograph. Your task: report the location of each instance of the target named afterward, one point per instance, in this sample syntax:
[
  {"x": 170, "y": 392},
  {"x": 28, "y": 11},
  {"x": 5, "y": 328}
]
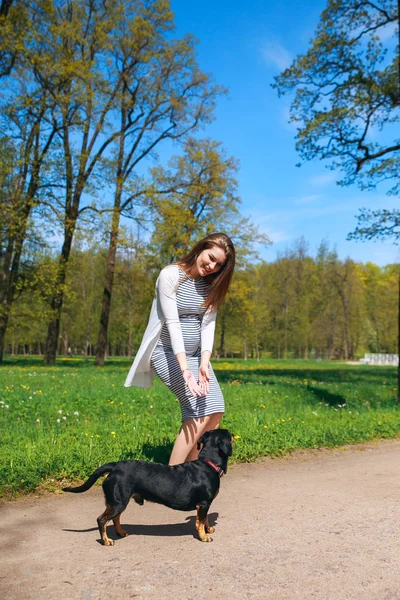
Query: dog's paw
[
  {"x": 108, "y": 542},
  {"x": 210, "y": 529},
  {"x": 206, "y": 538},
  {"x": 122, "y": 532}
]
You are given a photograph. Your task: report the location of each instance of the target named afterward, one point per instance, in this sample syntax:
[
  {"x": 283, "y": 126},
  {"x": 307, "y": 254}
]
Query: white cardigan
[{"x": 164, "y": 310}]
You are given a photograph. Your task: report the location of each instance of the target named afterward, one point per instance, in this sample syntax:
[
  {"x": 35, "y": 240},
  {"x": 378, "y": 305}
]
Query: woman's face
[{"x": 210, "y": 261}]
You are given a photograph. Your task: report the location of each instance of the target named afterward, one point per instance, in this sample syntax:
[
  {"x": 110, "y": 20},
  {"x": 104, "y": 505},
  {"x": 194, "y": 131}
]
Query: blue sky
[{"x": 244, "y": 45}]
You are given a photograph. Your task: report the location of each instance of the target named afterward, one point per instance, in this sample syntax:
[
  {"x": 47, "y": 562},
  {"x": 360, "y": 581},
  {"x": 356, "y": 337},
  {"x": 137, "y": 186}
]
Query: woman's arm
[
  {"x": 166, "y": 290},
  {"x": 207, "y": 342}
]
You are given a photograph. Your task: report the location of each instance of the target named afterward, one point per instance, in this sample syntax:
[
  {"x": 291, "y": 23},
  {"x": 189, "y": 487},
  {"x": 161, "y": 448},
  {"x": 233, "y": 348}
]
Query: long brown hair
[{"x": 218, "y": 282}]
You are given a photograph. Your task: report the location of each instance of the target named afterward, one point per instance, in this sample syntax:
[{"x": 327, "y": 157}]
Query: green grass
[{"x": 60, "y": 423}]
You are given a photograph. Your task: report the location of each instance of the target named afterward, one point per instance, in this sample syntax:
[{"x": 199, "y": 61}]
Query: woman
[{"x": 178, "y": 341}]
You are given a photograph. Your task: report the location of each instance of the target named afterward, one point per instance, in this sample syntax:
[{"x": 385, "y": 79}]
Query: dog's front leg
[
  {"x": 202, "y": 523},
  {"x": 208, "y": 528}
]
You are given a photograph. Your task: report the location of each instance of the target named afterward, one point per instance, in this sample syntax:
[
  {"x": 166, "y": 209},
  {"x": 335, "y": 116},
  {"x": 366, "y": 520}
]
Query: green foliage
[
  {"x": 297, "y": 306},
  {"x": 345, "y": 84},
  {"x": 347, "y": 100},
  {"x": 377, "y": 224},
  {"x": 92, "y": 89},
  {"x": 61, "y": 423},
  {"x": 197, "y": 195}
]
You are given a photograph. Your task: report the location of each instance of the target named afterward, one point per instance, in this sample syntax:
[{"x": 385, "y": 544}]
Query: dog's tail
[{"x": 92, "y": 479}]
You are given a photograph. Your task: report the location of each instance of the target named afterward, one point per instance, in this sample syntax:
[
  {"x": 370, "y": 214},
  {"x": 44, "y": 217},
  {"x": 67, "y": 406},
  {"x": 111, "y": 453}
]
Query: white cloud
[
  {"x": 386, "y": 255},
  {"x": 285, "y": 116},
  {"x": 305, "y": 200},
  {"x": 387, "y": 32},
  {"x": 270, "y": 224},
  {"x": 276, "y": 54},
  {"x": 321, "y": 180}
]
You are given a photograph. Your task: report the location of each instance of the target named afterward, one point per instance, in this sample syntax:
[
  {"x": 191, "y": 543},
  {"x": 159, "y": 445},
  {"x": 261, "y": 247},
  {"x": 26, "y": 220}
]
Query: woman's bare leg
[
  {"x": 213, "y": 423},
  {"x": 191, "y": 430}
]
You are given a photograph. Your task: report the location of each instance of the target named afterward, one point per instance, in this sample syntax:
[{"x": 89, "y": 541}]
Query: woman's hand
[
  {"x": 190, "y": 380},
  {"x": 204, "y": 378}
]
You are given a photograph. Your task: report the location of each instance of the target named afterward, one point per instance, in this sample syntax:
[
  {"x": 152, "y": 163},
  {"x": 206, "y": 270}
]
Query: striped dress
[{"x": 190, "y": 296}]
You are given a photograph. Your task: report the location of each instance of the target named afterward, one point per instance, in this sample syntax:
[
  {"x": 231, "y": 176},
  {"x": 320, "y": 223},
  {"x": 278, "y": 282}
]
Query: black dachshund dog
[{"x": 188, "y": 486}]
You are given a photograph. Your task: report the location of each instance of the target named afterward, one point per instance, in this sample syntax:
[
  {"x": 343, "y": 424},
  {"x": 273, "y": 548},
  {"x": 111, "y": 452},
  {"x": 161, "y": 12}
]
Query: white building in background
[{"x": 391, "y": 360}]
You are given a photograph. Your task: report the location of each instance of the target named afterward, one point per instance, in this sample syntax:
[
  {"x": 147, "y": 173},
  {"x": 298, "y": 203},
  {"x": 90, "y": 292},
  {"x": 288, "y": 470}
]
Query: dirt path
[{"x": 317, "y": 525}]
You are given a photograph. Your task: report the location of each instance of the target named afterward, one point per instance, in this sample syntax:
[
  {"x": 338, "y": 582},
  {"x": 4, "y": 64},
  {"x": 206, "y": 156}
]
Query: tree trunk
[
  {"x": 130, "y": 343},
  {"x": 13, "y": 254},
  {"x": 112, "y": 249},
  {"x": 221, "y": 350},
  {"x": 286, "y": 334},
  {"x": 107, "y": 292},
  {"x": 23, "y": 202},
  {"x": 10, "y": 275},
  {"x": 57, "y": 301},
  {"x": 398, "y": 344}
]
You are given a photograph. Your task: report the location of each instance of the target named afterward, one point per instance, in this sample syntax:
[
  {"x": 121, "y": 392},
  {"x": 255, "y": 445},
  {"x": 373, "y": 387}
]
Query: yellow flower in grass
[{"x": 237, "y": 437}]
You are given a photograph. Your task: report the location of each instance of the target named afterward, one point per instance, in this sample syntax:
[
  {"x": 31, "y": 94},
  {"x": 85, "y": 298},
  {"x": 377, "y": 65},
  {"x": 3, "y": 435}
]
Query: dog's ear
[
  {"x": 225, "y": 446},
  {"x": 201, "y": 440}
]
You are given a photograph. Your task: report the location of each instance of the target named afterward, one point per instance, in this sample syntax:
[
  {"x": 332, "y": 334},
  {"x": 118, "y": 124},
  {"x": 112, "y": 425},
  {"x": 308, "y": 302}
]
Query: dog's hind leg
[
  {"x": 201, "y": 521},
  {"x": 108, "y": 514},
  {"x": 121, "y": 532}
]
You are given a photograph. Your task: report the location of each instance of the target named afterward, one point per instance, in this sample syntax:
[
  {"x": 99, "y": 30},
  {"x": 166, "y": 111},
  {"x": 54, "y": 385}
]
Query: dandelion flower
[
  {"x": 76, "y": 413},
  {"x": 60, "y": 412},
  {"x": 58, "y": 420}
]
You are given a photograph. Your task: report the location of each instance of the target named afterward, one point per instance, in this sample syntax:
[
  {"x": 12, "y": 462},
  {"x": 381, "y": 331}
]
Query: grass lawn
[{"x": 60, "y": 423}]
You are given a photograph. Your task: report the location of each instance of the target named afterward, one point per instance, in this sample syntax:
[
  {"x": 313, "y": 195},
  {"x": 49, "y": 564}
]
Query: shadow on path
[{"x": 167, "y": 530}]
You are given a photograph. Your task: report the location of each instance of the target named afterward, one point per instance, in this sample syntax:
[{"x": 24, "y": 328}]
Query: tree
[
  {"x": 120, "y": 84},
  {"x": 345, "y": 86},
  {"x": 163, "y": 96},
  {"x": 195, "y": 196},
  {"x": 347, "y": 98},
  {"x": 13, "y": 27},
  {"x": 25, "y": 142}
]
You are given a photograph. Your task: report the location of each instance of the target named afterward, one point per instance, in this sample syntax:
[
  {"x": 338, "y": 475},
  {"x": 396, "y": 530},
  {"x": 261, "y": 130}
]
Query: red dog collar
[{"x": 218, "y": 469}]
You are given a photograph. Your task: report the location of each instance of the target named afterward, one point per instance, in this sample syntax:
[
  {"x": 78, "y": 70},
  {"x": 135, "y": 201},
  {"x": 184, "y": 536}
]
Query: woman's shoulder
[
  {"x": 170, "y": 273},
  {"x": 171, "y": 270}
]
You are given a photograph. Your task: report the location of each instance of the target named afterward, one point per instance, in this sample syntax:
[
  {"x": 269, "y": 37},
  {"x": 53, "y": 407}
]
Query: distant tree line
[{"x": 296, "y": 306}]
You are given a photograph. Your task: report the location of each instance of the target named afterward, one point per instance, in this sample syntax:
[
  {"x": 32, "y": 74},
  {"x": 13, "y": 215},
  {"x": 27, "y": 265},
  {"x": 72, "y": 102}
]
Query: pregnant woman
[{"x": 178, "y": 341}]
